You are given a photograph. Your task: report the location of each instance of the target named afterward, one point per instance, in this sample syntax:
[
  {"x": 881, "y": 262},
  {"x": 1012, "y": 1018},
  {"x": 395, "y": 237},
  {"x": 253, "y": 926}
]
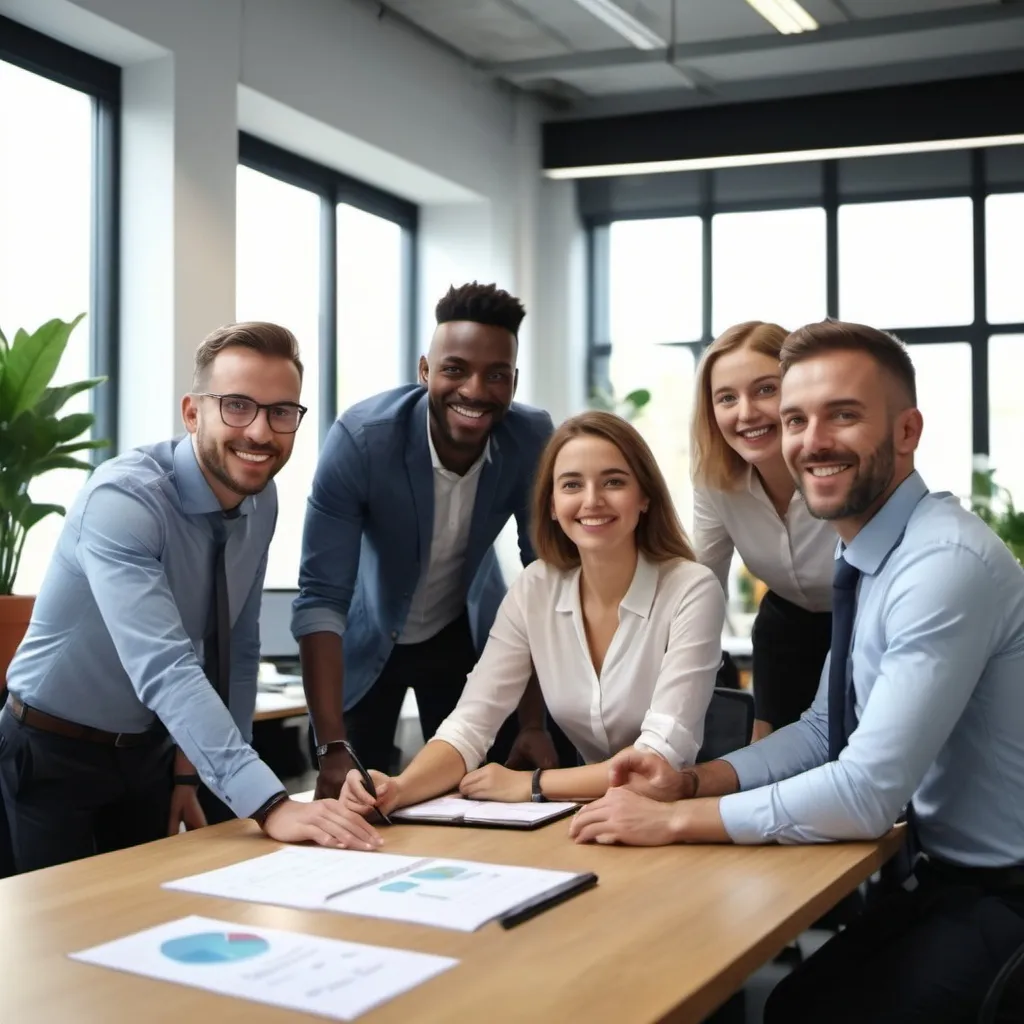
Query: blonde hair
[
  {"x": 713, "y": 463},
  {"x": 659, "y": 534}
]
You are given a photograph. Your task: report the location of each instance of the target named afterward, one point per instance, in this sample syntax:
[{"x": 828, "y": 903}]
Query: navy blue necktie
[
  {"x": 842, "y": 715},
  {"x": 217, "y": 644}
]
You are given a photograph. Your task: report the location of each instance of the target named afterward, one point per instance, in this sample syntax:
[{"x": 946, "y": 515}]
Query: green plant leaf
[
  {"x": 67, "y": 428},
  {"x": 33, "y": 513},
  {"x": 53, "y": 399},
  {"x": 48, "y": 462},
  {"x": 31, "y": 364},
  {"x": 638, "y": 398},
  {"x": 80, "y": 446}
]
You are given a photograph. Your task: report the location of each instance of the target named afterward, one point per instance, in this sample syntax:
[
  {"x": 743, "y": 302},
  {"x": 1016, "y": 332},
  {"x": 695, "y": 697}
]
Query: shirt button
[{"x": 394, "y": 634}]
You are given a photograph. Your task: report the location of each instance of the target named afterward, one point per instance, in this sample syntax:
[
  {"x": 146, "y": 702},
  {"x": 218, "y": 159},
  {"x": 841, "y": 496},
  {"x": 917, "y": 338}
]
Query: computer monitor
[{"x": 276, "y": 640}]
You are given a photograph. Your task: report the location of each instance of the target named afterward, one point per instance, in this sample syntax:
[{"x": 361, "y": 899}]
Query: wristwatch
[
  {"x": 260, "y": 814},
  {"x": 536, "y": 796},
  {"x": 324, "y": 747}
]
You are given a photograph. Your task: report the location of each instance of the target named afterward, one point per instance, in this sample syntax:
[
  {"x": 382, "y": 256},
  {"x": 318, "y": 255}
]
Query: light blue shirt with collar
[
  {"x": 937, "y": 664},
  {"x": 116, "y": 637}
]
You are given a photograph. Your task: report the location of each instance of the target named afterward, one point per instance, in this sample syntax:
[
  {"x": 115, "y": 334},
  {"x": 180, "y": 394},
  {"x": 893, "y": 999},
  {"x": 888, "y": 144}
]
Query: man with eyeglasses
[{"x": 141, "y": 658}]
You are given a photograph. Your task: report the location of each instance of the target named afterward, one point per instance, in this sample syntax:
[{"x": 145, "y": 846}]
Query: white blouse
[
  {"x": 793, "y": 555},
  {"x": 656, "y": 681}
]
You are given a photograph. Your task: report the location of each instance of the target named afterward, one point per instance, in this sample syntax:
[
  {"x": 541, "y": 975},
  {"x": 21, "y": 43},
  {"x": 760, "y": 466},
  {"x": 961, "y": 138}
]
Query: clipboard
[{"x": 454, "y": 810}]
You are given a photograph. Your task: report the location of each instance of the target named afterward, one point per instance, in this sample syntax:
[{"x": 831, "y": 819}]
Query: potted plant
[
  {"x": 33, "y": 440},
  {"x": 994, "y": 504}
]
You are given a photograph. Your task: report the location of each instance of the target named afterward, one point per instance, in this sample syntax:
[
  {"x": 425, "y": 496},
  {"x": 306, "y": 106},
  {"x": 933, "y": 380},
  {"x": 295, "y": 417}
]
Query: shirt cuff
[
  {"x": 319, "y": 619},
  {"x": 747, "y": 817},
  {"x": 248, "y": 789}
]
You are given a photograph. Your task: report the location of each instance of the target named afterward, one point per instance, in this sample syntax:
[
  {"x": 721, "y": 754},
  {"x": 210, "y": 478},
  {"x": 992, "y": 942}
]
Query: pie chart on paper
[{"x": 214, "y": 947}]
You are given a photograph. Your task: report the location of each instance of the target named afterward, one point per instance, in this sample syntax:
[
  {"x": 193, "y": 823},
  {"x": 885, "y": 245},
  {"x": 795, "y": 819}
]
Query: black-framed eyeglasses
[{"x": 241, "y": 410}]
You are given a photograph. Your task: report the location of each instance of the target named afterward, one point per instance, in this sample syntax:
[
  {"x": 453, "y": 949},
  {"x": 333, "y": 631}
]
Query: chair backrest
[{"x": 729, "y": 723}]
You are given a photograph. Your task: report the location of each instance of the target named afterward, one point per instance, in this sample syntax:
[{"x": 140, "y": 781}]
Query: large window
[
  {"x": 278, "y": 279},
  {"x": 331, "y": 259},
  {"x": 925, "y": 245},
  {"x": 57, "y": 233}
]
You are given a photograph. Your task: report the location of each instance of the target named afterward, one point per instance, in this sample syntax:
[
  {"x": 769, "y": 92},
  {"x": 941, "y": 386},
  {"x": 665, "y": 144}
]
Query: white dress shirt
[
  {"x": 440, "y": 595},
  {"x": 937, "y": 667},
  {"x": 791, "y": 554},
  {"x": 655, "y": 683}
]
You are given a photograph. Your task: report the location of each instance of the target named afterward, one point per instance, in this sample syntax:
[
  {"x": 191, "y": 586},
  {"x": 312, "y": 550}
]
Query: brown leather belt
[{"x": 73, "y": 730}]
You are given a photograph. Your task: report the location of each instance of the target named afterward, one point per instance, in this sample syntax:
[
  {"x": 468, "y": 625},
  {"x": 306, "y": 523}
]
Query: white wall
[{"x": 330, "y": 80}]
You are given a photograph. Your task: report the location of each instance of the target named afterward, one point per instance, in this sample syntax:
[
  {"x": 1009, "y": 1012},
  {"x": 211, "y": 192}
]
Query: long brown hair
[
  {"x": 713, "y": 464},
  {"x": 659, "y": 534}
]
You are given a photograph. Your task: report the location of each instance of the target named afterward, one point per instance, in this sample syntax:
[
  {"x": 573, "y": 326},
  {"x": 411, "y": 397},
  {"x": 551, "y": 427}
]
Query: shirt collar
[
  {"x": 639, "y": 599},
  {"x": 435, "y": 461},
  {"x": 195, "y": 494},
  {"x": 872, "y": 545}
]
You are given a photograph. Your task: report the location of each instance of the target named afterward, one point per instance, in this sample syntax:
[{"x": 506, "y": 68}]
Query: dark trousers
[
  {"x": 436, "y": 669},
  {"x": 925, "y": 956},
  {"x": 790, "y": 644},
  {"x": 69, "y": 798}
]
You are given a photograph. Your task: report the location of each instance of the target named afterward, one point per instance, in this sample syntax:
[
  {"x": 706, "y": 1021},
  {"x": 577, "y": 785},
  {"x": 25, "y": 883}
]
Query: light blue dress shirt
[
  {"x": 116, "y": 637},
  {"x": 937, "y": 664}
]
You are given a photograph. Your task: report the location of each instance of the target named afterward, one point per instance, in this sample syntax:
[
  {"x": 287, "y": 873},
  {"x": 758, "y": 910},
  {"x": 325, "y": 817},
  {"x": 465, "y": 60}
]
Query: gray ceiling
[{"x": 720, "y": 51}]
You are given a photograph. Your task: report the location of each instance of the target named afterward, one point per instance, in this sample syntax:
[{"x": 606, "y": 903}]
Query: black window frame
[
  {"x": 977, "y": 333},
  {"x": 101, "y": 81},
  {"x": 334, "y": 187}
]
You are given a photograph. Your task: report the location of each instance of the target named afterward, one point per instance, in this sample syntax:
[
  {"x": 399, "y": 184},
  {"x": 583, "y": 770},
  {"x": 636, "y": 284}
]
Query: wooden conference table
[{"x": 667, "y": 935}]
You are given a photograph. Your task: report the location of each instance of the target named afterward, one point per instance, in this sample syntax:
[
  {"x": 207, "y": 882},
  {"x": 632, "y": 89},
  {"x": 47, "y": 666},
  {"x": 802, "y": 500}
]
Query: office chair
[
  {"x": 1004, "y": 1001},
  {"x": 729, "y": 723}
]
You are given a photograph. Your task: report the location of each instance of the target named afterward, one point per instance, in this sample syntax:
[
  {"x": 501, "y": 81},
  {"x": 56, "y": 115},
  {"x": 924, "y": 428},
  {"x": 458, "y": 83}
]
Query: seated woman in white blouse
[{"x": 622, "y": 626}]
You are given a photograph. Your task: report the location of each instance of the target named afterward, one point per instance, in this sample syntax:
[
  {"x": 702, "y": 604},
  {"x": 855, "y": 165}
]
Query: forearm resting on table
[
  {"x": 322, "y": 674},
  {"x": 714, "y": 778},
  {"x": 438, "y": 768},
  {"x": 587, "y": 782}
]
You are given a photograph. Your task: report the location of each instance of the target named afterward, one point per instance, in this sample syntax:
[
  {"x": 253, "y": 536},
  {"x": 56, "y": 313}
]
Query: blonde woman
[
  {"x": 621, "y": 624},
  {"x": 745, "y": 500}
]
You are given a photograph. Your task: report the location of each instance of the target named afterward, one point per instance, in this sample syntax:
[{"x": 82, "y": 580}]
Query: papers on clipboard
[
  {"x": 456, "y": 810},
  {"x": 457, "y": 894}
]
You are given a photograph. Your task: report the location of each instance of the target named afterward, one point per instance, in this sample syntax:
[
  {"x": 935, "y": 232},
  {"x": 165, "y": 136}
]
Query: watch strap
[
  {"x": 260, "y": 814},
  {"x": 187, "y": 780},
  {"x": 536, "y": 796}
]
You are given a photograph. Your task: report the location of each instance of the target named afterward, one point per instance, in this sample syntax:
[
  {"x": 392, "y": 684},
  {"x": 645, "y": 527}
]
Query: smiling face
[
  {"x": 745, "y": 398},
  {"x": 849, "y": 436},
  {"x": 239, "y": 461},
  {"x": 596, "y": 499},
  {"x": 470, "y": 376}
]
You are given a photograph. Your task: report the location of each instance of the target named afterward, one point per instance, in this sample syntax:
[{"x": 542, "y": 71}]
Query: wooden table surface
[{"x": 668, "y": 934}]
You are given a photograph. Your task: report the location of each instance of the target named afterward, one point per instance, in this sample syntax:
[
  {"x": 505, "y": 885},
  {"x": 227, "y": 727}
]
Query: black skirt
[{"x": 790, "y": 644}]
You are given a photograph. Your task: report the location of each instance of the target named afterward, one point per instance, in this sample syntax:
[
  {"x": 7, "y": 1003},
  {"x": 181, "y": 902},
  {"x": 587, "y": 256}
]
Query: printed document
[
  {"x": 336, "y": 979},
  {"x": 463, "y": 895}
]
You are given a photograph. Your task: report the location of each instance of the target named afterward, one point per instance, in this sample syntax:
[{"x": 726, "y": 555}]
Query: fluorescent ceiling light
[
  {"x": 709, "y": 163},
  {"x": 785, "y": 15},
  {"x": 630, "y": 28}
]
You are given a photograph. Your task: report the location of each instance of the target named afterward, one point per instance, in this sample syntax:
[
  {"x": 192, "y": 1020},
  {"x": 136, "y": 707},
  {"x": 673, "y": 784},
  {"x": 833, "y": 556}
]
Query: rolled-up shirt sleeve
[
  {"x": 331, "y": 536},
  {"x": 118, "y": 549},
  {"x": 673, "y": 726},
  {"x": 494, "y": 687}
]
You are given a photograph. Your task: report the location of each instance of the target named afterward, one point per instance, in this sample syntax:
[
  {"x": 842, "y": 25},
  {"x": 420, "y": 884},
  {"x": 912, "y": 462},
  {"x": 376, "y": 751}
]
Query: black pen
[
  {"x": 367, "y": 781},
  {"x": 532, "y": 907}
]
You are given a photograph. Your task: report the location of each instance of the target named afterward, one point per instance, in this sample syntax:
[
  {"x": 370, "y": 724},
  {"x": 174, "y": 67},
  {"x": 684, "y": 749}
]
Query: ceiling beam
[{"x": 875, "y": 28}]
